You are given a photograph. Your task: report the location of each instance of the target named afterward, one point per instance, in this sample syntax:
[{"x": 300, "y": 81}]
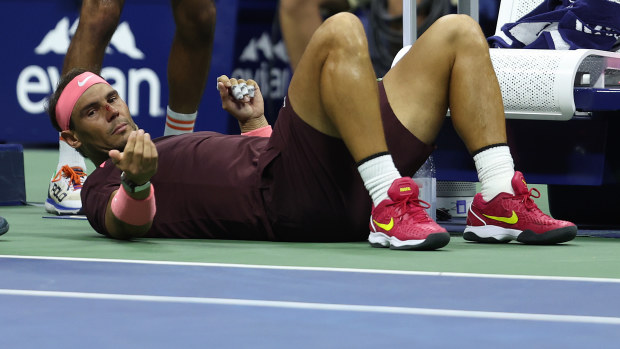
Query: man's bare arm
[
  {"x": 243, "y": 100},
  {"x": 130, "y": 210}
]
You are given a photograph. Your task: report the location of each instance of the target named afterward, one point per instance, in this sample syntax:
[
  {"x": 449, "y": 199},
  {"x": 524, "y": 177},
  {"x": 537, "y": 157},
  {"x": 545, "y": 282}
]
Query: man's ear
[{"x": 71, "y": 138}]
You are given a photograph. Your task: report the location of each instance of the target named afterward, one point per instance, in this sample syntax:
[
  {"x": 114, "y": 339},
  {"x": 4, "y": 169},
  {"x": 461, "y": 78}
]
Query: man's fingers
[
  {"x": 240, "y": 89},
  {"x": 115, "y": 155},
  {"x": 134, "y": 151},
  {"x": 244, "y": 88},
  {"x": 252, "y": 88},
  {"x": 131, "y": 144},
  {"x": 237, "y": 91},
  {"x": 138, "y": 149},
  {"x": 231, "y": 87},
  {"x": 150, "y": 152},
  {"x": 252, "y": 83},
  {"x": 222, "y": 89},
  {"x": 223, "y": 80}
]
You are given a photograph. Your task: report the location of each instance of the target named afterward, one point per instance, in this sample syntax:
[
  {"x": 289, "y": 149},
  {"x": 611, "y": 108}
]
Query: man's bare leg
[
  {"x": 450, "y": 66},
  {"x": 190, "y": 55},
  {"x": 189, "y": 62},
  {"x": 299, "y": 19},
  {"x": 334, "y": 90},
  {"x": 98, "y": 21}
]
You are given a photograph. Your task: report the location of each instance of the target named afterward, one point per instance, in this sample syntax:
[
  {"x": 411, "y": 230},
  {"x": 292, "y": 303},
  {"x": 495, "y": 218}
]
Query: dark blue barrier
[
  {"x": 260, "y": 54},
  {"x": 248, "y": 45},
  {"x": 37, "y": 34}
]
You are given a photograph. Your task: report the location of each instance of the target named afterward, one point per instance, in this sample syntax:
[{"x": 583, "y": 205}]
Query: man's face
[{"x": 101, "y": 121}]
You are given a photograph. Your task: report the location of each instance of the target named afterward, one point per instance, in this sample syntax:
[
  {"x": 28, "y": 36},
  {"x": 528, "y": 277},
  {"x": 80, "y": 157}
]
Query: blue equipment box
[{"x": 12, "y": 180}]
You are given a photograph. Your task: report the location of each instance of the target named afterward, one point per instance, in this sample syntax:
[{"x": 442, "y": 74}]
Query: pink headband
[{"x": 70, "y": 95}]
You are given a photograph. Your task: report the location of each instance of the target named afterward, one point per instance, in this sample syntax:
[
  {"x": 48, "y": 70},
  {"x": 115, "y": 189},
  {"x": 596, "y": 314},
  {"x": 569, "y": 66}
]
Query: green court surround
[{"x": 32, "y": 235}]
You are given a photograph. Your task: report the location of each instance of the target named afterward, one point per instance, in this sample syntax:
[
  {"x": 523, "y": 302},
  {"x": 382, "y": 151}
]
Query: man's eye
[{"x": 112, "y": 99}]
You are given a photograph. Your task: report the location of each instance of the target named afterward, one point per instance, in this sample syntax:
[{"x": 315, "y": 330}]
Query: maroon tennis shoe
[
  {"x": 508, "y": 217},
  {"x": 401, "y": 222}
]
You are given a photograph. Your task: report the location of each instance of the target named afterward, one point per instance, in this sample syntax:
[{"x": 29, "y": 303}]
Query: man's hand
[
  {"x": 139, "y": 162},
  {"x": 139, "y": 158},
  {"x": 247, "y": 109}
]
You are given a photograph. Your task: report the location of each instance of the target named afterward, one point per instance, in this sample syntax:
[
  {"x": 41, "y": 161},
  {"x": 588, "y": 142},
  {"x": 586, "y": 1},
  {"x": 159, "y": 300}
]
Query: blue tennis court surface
[{"x": 82, "y": 303}]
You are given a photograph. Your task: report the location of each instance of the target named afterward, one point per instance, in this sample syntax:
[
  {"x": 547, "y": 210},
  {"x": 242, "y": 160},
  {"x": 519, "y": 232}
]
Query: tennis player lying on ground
[{"x": 339, "y": 137}]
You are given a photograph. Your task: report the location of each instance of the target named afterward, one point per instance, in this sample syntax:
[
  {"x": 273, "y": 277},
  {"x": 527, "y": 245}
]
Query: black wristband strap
[{"x": 132, "y": 187}]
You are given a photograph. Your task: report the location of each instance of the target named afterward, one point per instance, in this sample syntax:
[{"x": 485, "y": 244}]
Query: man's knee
[
  {"x": 343, "y": 30},
  {"x": 195, "y": 20},
  {"x": 461, "y": 29}
]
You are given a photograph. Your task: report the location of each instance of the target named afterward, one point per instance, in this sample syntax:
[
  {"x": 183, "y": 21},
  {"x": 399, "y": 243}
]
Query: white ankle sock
[
  {"x": 495, "y": 169},
  {"x": 69, "y": 156},
  {"x": 378, "y": 173},
  {"x": 177, "y": 123}
]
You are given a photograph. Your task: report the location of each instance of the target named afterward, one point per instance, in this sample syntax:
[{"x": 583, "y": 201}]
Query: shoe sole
[
  {"x": 432, "y": 242},
  {"x": 490, "y": 234},
  {"x": 497, "y": 235},
  {"x": 56, "y": 209},
  {"x": 550, "y": 237}
]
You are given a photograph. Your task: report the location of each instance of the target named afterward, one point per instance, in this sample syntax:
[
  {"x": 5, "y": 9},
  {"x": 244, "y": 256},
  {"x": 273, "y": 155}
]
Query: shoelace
[
  {"x": 415, "y": 207},
  {"x": 75, "y": 175},
  {"x": 527, "y": 200}
]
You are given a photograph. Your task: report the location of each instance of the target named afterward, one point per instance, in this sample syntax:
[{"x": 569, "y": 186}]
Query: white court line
[
  {"x": 321, "y": 306},
  {"x": 326, "y": 269}
]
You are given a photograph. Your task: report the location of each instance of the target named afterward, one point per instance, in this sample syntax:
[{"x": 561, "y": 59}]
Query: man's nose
[{"x": 111, "y": 112}]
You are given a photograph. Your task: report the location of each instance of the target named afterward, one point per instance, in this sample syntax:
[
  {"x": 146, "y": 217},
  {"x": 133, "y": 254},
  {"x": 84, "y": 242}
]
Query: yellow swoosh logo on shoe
[
  {"x": 386, "y": 227},
  {"x": 509, "y": 220}
]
